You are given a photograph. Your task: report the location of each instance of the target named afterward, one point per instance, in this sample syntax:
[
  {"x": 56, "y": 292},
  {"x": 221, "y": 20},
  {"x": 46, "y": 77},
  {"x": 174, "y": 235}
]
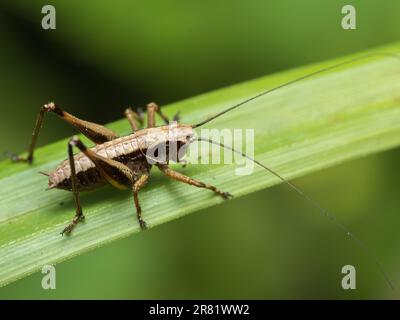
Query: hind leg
[
  {"x": 117, "y": 174},
  {"x": 79, "y": 214},
  {"x": 95, "y": 132}
]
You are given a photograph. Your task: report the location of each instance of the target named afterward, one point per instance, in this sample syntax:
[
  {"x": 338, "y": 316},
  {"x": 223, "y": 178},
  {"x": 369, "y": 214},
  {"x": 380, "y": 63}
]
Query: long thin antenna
[
  {"x": 323, "y": 211},
  {"x": 309, "y": 75}
]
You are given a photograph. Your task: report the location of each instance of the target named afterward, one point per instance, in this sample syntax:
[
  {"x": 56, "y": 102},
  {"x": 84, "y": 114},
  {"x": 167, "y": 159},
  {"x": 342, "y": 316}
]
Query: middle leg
[{"x": 139, "y": 184}]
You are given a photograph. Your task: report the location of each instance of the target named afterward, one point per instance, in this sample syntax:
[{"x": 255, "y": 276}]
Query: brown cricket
[
  {"x": 123, "y": 161},
  {"x": 120, "y": 161}
]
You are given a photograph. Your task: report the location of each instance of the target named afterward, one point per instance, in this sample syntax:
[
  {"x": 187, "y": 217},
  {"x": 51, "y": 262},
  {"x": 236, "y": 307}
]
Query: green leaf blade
[{"x": 314, "y": 124}]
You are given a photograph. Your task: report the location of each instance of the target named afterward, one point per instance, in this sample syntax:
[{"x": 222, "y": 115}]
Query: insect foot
[
  {"x": 143, "y": 224},
  {"x": 16, "y": 158},
  {"x": 67, "y": 230},
  {"x": 226, "y": 195}
]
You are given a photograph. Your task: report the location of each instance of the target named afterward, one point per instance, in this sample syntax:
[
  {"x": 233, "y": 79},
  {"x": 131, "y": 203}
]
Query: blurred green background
[{"x": 105, "y": 55}]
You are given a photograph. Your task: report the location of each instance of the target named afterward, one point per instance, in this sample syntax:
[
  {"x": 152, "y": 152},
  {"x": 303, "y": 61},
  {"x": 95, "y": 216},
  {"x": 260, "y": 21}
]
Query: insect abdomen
[
  {"x": 126, "y": 149},
  {"x": 88, "y": 176}
]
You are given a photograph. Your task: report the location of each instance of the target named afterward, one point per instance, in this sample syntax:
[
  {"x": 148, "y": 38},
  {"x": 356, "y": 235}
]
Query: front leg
[{"x": 188, "y": 180}]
